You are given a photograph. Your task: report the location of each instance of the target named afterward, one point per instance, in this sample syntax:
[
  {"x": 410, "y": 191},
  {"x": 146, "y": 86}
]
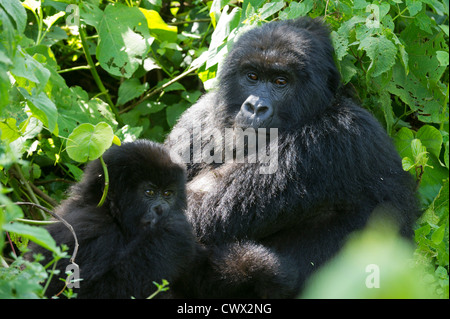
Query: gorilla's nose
[
  {"x": 158, "y": 210},
  {"x": 257, "y": 108}
]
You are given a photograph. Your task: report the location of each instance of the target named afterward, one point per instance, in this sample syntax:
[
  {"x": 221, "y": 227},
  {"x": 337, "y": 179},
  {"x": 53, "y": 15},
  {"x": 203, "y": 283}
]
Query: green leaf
[
  {"x": 419, "y": 152},
  {"x": 124, "y": 39},
  {"x": 26, "y": 66},
  {"x": 16, "y": 11},
  {"x": 415, "y": 94},
  {"x": 424, "y": 22},
  {"x": 36, "y": 234},
  {"x": 43, "y": 108},
  {"x": 431, "y": 138},
  {"x": 403, "y": 140},
  {"x": 407, "y": 163},
  {"x": 340, "y": 44},
  {"x": 442, "y": 57},
  {"x": 226, "y": 24},
  {"x": 130, "y": 89},
  {"x": 381, "y": 51},
  {"x": 270, "y": 8},
  {"x": 88, "y": 142},
  {"x": 299, "y": 9},
  {"x": 438, "y": 235},
  {"x": 414, "y": 6}
]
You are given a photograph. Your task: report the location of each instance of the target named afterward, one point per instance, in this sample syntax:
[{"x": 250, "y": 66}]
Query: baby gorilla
[{"x": 139, "y": 235}]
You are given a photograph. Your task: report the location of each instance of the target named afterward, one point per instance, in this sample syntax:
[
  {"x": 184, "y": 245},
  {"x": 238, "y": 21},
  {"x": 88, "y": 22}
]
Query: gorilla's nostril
[
  {"x": 261, "y": 110},
  {"x": 158, "y": 210},
  {"x": 249, "y": 108}
]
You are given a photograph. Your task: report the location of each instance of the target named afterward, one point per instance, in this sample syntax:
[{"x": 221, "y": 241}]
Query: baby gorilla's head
[{"x": 146, "y": 185}]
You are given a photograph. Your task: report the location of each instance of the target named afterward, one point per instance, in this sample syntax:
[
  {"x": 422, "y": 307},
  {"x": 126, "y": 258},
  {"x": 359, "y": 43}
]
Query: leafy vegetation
[{"x": 77, "y": 76}]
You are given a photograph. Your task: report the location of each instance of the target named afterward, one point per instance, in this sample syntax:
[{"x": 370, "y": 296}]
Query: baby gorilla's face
[{"x": 159, "y": 201}]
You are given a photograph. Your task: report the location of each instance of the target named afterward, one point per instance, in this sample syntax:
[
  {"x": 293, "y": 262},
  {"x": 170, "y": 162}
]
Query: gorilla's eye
[
  {"x": 167, "y": 193},
  {"x": 149, "y": 192},
  {"x": 252, "y": 76},
  {"x": 280, "y": 81}
]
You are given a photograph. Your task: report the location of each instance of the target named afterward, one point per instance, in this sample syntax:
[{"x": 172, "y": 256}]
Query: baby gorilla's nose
[{"x": 158, "y": 210}]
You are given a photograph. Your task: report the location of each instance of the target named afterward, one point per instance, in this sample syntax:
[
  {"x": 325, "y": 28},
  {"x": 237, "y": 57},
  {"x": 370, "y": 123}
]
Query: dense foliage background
[{"x": 76, "y": 76}]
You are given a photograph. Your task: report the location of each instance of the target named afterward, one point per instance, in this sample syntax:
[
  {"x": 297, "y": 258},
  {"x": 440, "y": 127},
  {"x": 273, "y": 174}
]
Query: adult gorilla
[{"x": 336, "y": 165}]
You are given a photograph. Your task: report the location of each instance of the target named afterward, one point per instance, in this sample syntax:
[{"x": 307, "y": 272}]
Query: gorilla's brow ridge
[{"x": 286, "y": 63}]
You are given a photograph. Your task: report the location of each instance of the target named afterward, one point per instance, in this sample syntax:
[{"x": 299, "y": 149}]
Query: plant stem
[
  {"x": 27, "y": 186},
  {"x": 159, "y": 89},
  {"x": 36, "y": 222},
  {"x": 105, "y": 191},
  {"x": 96, "y": 77}
]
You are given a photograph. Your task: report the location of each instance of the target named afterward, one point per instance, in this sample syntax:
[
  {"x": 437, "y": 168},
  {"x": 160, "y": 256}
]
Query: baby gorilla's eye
[
  {"x": 280, "y": 81},
  {"x": 252, "y": 76},
  {"x": 167, "y": 193},
  {"x": 149, "y": 192}
]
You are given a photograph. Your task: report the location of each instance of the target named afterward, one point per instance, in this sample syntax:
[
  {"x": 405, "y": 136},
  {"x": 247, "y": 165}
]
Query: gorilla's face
[
  {"x": 273, "y": 78},
  {"x": 264, "y": 94}
]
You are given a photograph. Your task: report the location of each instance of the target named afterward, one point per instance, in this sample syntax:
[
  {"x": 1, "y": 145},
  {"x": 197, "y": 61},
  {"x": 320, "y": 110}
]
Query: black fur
[
  {"x": 268, "y": 233},
  {"x": 120, "y": 256}
]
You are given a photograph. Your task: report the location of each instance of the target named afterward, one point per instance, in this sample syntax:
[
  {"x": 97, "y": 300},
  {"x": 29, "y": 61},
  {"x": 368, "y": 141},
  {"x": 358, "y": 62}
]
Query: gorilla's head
[
  {"x": 279, "y": 75},
  {"x": 146, "y": 184}
]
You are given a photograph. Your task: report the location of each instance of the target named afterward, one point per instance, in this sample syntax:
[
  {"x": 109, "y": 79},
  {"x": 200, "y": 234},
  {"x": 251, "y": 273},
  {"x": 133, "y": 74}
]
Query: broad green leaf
[
  {"x": 431, "y": 138},
  {"x": 414, "y": 6},
  {"x": 423, "y": 58},
  {"x": 130, "y": 89},
  {"x": 403, "y": 140},
  {"x": 438, "y": 235},
  {"x": 381, "y": 51},
  {"x": 226, "y": 23},
  {"x": 124, "y": 39},
  {"x": 76, "y": 107},
  {"x": 36, "y": 234},
  {"x": 416, "y": 94},
  {"x": 88, "y": 142},
  {"x": 299, "y": 9},
  {"x": 42, "y": 108},
  {"x": 270, "y": 8},
  {"x": 90, "y": 14},
  {"x": 442, "y": 57},
  {"x": 28, "y": 67},
  {"x": 16, "y": 11},
  {"x": 340, "y": 44},
  {"x": 424, "y": 22}
]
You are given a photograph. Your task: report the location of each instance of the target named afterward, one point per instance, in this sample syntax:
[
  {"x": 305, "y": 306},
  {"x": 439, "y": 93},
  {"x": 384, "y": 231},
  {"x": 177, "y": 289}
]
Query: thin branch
[
  {"x": 62, "y": 220},
  {"x": 159, "y": 89},
  {"x": 43, "y": 195}
]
